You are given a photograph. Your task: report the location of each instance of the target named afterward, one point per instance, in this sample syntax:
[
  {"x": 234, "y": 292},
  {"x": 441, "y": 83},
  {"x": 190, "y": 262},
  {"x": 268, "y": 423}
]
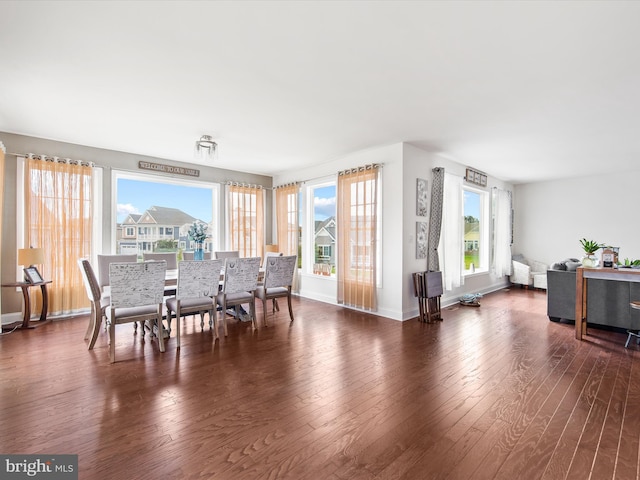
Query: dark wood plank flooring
[{"x": 496, "y": 392}]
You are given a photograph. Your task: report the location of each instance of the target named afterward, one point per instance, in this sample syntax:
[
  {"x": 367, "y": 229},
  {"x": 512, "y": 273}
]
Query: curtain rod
[{"x": 55, "y": 158}]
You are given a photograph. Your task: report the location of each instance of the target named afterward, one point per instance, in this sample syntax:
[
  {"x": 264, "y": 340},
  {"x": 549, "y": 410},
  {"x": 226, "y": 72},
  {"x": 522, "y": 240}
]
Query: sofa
[{"x": 607, "y": 300}]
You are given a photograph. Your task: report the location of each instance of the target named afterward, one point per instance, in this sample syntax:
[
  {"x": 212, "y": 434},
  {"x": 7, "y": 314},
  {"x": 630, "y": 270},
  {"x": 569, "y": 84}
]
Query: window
[
  {"x": 164, "y": 209},
  {"x": 322, "y": 208},
  {"x": 476, "y": 256}
]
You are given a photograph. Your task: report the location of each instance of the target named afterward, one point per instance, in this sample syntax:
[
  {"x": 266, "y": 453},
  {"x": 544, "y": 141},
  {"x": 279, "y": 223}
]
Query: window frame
[
  {"x": 484, "y": 230},
  {"x": 154, "y": 178}
]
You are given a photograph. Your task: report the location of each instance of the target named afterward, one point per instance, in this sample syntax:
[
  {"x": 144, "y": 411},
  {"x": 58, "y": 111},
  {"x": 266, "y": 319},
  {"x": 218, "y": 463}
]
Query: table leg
[
  {"x": 27, "y": 306},
  {"x": 581, "y": 304}
]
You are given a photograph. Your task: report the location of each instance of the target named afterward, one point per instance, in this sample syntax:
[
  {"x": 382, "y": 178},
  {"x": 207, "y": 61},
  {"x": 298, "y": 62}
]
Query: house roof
[
  {"x": 166, "y": 216},
  {"x": 523, "y": 91}
]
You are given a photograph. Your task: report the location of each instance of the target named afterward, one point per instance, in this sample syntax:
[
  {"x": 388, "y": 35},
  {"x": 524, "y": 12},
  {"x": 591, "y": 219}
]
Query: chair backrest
[
  {"x": 270, "y": 254},
  {"x": 103, "y": 266},
  {"x": 228, "y": 254},
  {"x": 199, "y": 278},
  {"x": 137, "y": 284},
  {"x": 89, "y": 279},
  {"x": 241, "y": 274},
  {"x": 278, "y": 271},
  {"x": 171, "y": 258},
  {"x": 189, "y": 255}
]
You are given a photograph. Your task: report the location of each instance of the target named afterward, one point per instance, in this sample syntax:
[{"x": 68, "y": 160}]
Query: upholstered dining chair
[
  {"x": 190, "y": 256},
  {"x": 103, "y": 266},
  {"x": 278, "y": 278},
  {"x": 239, "y": 286},
  {"x": 227, "y": 254},
  {"x": 198, "y": 283},
  {"x": 98, "y": 303},
  {"x": 170, "y": 257},
  {"x": 137, "y": 294}
]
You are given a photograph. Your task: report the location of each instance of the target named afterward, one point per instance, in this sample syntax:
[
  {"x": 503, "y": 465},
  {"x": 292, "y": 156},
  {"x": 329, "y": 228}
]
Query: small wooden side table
[{"x": 24, "y": 286}]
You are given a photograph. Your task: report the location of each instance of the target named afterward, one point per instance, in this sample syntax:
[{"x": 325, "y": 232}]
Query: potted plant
[
  {"x": 198, "y": 233},
  {"x": 590, "y": 247}
]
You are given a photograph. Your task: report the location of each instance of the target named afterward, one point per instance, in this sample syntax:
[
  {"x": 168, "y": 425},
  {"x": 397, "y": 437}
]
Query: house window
[
  {"x": 476, "y": 252},
  {"x": 322, "y": 212},
  {"x": 158, "y": 202}
]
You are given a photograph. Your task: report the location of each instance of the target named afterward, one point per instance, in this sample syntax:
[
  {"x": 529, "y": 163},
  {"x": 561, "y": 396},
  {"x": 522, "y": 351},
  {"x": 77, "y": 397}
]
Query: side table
[{"x": 24, "y": 286}]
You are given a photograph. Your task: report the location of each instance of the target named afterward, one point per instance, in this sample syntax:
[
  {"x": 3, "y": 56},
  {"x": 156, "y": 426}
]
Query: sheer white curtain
[
  {"x": 452, "y": 236},
  {"x": 501, "y": 232}
]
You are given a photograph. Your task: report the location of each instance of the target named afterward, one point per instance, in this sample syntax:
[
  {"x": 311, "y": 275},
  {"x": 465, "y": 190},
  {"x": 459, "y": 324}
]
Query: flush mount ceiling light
[{"x": 206, "y": 148}]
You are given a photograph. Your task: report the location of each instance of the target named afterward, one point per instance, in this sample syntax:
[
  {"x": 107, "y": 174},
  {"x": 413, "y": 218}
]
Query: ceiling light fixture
[{"x": 206, "y": 148}]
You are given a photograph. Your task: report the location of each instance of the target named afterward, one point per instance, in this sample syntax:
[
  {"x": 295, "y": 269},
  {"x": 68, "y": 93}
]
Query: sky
[
  {"x": 324, "y": 202},
  {"x": 471, "y": 204},
  {"x": 135, "y": 196}
]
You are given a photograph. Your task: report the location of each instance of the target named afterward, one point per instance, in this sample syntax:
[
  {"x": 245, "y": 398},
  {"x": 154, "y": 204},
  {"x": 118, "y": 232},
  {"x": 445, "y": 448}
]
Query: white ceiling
[{"x": 524, "y": 91}]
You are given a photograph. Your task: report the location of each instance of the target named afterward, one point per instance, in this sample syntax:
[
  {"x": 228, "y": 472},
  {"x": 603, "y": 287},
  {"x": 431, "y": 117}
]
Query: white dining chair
[
  {"x": 239, "y": 286},
  {"x": 198, "y": 283},
  {"x": 278, "y": 278},
  {"x": 137, "y": 294},
  {"x": 98, "y": 302}
]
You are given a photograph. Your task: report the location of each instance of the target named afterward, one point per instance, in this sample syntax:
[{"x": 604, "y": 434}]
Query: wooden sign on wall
[{"x": 159, "y": 167}]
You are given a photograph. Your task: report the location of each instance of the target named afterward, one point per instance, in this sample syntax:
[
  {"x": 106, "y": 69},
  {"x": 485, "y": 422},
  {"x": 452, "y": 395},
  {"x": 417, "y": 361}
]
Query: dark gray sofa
[{"x": 607, "y": 300}]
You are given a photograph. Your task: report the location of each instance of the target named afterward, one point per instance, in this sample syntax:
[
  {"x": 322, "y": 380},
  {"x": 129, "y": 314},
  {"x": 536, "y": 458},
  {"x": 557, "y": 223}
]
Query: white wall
[
  {"x": 551, "y": 217},
  {"x": 403, "y": 164}
]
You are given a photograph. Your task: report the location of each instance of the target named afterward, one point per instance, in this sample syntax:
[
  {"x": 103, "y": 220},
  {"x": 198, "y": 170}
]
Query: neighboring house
[
  {"x": 139, "y": 233},
  {"x": 471, "y": 236},
  {"x": 325, "y": 241}
]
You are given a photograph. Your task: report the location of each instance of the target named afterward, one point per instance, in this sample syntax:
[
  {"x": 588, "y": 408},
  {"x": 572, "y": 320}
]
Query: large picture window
[{"x": 153, "y": 213}]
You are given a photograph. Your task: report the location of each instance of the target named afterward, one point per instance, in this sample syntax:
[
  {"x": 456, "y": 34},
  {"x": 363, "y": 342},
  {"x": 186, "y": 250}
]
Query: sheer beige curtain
[
  {"x": 287, "y": 219},
  {"x": 357, "y": 226},
  {"x": 287, "y": 223},
  {"x": 245, "y": 215},
  {"x": 58, "y": 215}
]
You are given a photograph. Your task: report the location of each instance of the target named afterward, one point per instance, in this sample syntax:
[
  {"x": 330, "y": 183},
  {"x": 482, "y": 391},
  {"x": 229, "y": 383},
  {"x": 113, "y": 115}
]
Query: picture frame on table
[{"x": 32, "y": 275}]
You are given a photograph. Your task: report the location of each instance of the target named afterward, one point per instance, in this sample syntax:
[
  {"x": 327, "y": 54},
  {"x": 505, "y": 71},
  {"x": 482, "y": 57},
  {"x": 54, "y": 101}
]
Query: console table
[
  {"x": 582, "y": 275},
  {"x": 24, "y": 286}
]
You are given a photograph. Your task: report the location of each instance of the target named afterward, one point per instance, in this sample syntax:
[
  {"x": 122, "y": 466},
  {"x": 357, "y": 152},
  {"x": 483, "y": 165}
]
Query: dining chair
[
  {"x": 278, "y": 278},
  {"x": 103, "y": 266},
  {"x": 227, "y": 254},
  {"x": 190, "y": 256},
  {"x": 198, "y": 283},
  {"x": 137, "y": 293},
  {"x": 170, "y": 257},
  {"x": 98, "y": 303},
  {"x": 239, "y": 286}
]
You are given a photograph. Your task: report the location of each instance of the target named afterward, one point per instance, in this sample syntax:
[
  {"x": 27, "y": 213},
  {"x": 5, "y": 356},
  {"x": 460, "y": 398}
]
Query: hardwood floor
[{"x": 496, "y": 392}]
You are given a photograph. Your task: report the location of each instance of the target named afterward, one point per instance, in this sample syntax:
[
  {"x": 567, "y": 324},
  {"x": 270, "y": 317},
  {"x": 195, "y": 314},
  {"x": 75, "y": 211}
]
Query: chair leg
[
  {"x": 112, "y": 342},
  {"x": 160, "y": 329},
  {"x": 224, "y": 319},
  {"x": 213, "y": 322},
  {"x": 264, "y": 311},
  {"x": 252, "y": 310},
  {"x": 97, "y": 321},
  {"x": 290, "y": 309},
  {"x": 92, "y": 323},
  {"x": 177, "y": 325}
]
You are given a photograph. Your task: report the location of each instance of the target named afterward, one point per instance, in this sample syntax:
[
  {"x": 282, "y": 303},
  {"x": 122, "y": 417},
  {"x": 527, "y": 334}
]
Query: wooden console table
[
  {"x": 582, "y": 275},
  {"x": 24, "y": 286}
]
